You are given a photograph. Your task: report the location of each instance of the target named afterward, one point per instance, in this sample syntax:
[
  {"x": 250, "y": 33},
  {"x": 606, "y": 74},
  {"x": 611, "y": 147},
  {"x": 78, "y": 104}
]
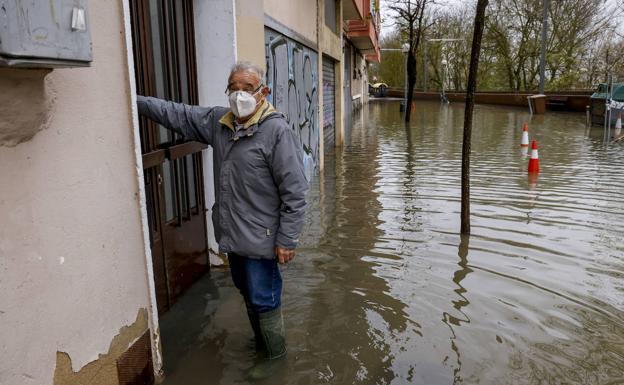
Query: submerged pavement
[{"x": 385, "y": 291}]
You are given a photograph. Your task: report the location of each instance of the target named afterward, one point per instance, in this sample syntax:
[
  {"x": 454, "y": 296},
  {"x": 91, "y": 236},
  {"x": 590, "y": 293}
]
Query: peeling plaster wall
[
  {"x": 72, "y": 258},
  {"x": 23, "y": 90},
  {"x": 102, "y": 371}
]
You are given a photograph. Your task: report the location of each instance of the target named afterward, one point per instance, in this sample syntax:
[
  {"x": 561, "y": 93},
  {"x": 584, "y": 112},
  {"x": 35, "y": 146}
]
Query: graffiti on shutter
[{"x": 292, "y": 75}]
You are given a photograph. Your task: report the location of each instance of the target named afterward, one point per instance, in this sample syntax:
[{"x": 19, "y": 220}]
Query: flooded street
[{"x": 385, "y": 291}]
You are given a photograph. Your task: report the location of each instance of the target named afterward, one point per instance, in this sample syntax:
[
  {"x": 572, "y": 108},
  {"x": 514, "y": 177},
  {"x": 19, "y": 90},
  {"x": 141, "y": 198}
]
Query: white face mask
[{"x": 242, "y": 103}]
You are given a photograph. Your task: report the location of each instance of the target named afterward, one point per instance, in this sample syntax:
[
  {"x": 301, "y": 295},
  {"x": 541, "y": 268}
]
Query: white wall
[
  {"x": 215, "y": 41},
  {"x": 72, "y": 256}
]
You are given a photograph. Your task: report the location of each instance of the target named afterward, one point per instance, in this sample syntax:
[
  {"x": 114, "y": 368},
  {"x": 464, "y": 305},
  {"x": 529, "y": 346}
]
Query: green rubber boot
[
  {"x": 272, "y": 331},
  {"x": 254, "y": 320},
  {"x": 274, "y": 339}
]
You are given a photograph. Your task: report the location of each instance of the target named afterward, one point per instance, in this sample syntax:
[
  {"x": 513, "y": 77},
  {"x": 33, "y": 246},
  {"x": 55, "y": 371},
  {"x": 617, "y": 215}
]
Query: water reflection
[
  {"x": 350, "y": 309},
  {"x": 385, "y": 291},
  {"x": 450, "y": 320}
]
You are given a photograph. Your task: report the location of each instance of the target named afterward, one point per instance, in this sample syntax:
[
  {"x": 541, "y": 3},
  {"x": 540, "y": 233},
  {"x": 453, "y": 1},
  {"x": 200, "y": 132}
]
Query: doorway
[{"x": 164, "y": 58}]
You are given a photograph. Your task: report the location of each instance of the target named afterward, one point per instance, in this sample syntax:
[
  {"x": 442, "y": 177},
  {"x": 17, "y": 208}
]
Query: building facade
[
  {"x": 361, "y": 46},
  {"x": 106, "y": 216}
]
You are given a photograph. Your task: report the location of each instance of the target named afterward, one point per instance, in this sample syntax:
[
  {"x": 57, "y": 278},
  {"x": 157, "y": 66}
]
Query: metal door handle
[{"x": 159, "y": 179}]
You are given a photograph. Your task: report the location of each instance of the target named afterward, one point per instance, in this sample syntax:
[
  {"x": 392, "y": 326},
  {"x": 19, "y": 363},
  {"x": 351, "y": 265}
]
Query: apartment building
[{"x": 106, "y": 216}]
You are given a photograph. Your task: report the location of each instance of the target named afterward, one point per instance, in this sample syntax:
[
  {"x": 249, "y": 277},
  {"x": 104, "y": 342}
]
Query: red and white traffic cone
[
  {"x": 533, "y": 194},
  {"x": 534, "y": 161},
  {"x": 533, "y": 180},
  {"x": 525, "y": 136},
  {"x": 618, "y": 126}
]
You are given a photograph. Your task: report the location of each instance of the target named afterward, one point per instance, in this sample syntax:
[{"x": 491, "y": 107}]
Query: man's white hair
[{"x": 246, "y": 66}]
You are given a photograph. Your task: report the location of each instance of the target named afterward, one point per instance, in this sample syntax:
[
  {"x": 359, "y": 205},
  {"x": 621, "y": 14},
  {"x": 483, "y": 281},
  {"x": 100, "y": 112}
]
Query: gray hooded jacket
[{"x": 260, "y": 185}]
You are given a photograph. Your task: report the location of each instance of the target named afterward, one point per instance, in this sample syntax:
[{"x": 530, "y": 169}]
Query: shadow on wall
[{"x": 292, "y": 75}]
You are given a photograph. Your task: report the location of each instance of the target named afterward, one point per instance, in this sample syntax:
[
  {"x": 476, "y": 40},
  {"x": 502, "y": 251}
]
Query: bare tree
[
  {"x": 584, "y": 43},
  {"x": 408, "y": 18},
  {"x": 514, "y": 28},
  {"x": 450, "y": 23},
  {"x": 477, "y": 35}
]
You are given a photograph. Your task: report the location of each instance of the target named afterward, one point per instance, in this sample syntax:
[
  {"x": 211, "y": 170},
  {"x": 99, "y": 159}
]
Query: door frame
[
  {"x": 153, "y": 320},
  {"x": 173, "y": 166}
]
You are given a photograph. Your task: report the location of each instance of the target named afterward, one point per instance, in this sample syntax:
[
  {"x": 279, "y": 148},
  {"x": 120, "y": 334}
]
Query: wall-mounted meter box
[{"x": 44, "y": 34}]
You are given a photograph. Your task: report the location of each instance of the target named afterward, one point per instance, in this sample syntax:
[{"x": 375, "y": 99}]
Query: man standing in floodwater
[{"x": 260, "y": 189}]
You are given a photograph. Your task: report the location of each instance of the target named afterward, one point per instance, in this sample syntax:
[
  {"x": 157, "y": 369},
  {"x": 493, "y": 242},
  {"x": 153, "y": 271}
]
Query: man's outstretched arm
[{"x": 192, "y": 122}]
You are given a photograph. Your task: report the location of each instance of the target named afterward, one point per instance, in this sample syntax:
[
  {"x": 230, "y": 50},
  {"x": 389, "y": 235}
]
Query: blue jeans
[{"x": 258, "y": 280}]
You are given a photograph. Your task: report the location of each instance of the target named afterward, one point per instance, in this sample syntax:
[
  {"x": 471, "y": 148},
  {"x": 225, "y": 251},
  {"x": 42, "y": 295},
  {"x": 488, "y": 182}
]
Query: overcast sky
[{"x": 386, "y": 25}]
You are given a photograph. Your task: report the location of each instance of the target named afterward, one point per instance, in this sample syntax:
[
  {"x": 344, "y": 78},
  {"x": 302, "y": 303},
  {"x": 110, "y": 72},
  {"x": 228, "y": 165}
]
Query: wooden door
[{"x": 164, "y": 55}]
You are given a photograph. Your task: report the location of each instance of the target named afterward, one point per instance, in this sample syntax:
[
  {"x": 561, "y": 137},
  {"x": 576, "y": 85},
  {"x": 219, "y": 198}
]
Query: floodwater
[{"x": 385, "y": 291}]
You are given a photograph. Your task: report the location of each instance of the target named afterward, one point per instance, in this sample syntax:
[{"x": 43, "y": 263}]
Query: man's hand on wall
[{"x": 284, "y": 255}]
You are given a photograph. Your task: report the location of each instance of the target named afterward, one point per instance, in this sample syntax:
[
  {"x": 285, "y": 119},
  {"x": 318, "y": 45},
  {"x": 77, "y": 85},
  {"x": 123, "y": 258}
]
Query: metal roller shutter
[{"x": 329, "y": 103}]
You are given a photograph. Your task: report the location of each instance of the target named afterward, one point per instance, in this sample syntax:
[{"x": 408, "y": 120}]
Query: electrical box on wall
[{"x": 44, "y": 34}]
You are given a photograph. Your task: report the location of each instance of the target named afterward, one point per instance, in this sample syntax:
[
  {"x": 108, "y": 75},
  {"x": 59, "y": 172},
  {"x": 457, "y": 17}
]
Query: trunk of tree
[
  {"x": 411, "y": 81},
  {"x": 472, "y": 83},
  {"x": 510, "y": 78},
  {"x": 415, "y": 33}
]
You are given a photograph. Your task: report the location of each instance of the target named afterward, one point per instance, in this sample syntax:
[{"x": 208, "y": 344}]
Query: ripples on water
[{"x": 385, "y": 291}]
